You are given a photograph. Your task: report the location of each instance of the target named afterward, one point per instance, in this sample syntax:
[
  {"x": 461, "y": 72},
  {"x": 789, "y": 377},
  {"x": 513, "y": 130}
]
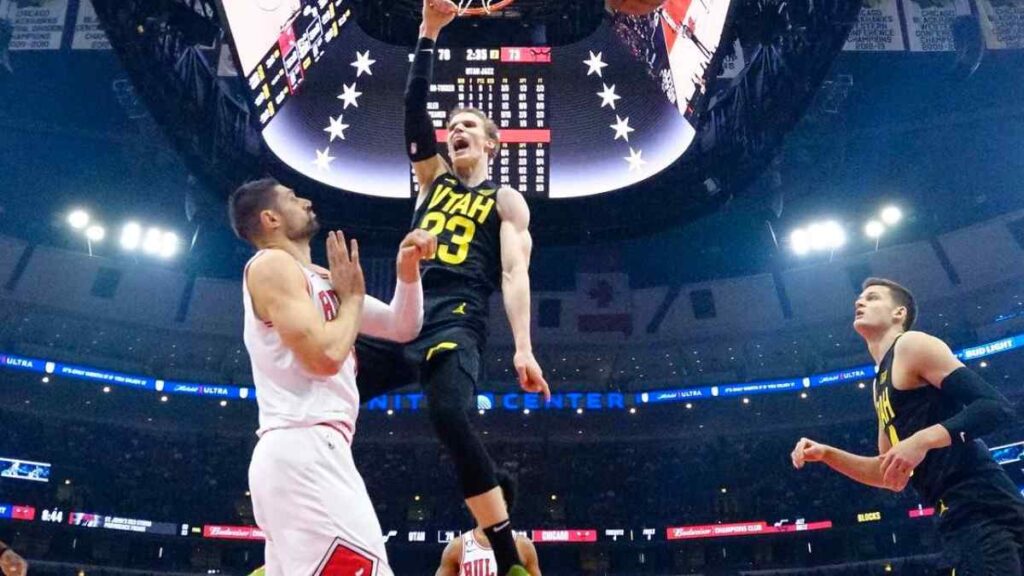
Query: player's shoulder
[
  {"x": 272, "y": 265},
  {"x": 512, "y": 205},
  {"x": 914, "y": 340}
]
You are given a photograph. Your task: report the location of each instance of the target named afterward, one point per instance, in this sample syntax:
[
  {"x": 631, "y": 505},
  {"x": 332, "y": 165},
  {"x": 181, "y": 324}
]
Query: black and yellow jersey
[
  {"x": 902, "y": 413},
  {"x": 466, "y": 270}
]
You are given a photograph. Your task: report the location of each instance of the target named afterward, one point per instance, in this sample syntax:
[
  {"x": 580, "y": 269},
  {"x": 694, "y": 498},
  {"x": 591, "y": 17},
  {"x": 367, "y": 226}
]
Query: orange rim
[{"x": 495, "y": 7}]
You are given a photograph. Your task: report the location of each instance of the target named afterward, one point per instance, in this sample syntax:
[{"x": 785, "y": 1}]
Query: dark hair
[
  {"x": 246, "y": 203},
  {"x": 490, "y": 128},
  {"x": 900, "y": 295},
  {"x": 508, "y": 487}
]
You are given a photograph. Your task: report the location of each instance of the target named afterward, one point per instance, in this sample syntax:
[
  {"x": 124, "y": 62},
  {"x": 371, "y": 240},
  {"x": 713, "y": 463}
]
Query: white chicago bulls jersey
[
  {"x": 288, "y": 396},
  {"x": 477, "y": 558}
]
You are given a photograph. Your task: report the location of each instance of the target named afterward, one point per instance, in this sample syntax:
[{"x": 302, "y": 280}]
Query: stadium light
[
  {"x": 891, "y": 215},
  {"x": 78, "y": 219},
  {"x": 874, "y": 229},
  {"x": 95, "y": 233},
  {"x": 817, "y": 237},
  {"x": 131, "y": 236},
  {"x": 153, "y": 242},
  {"x": 168, "y": 244}
]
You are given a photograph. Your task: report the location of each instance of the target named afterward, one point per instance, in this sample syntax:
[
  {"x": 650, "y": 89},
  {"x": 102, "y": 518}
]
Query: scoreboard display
[
  {"x": 577, "y": 120},
  {"x": 506, "y": 84}
]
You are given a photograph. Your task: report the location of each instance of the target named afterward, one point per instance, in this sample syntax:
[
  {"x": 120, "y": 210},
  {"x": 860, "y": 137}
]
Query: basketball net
[{"x": 481, "y": 7}]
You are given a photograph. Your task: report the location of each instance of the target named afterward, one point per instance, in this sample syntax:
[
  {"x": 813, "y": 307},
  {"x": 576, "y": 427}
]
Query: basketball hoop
[{"x": 481, "y": 7}]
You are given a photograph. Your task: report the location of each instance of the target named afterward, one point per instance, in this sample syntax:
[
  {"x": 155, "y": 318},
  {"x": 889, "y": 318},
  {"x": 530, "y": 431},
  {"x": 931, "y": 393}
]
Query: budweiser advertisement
[
  {"x": 233, "y": 532},
  {"x": 742, "y": 529}
]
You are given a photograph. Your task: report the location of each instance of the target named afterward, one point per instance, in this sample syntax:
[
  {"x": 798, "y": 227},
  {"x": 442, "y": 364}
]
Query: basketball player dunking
[
  {"x": 300, "y": 327},
  {"x": 471, "y": 555},
  {"x": 931, "y": 412},
  {"x": 483, "y": 242}
]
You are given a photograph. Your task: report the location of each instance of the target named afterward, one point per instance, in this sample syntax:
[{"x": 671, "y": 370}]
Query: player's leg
[
  {"x": 984, "y": 548},
  {"x": 296, "y": 490},
  {"x": 449, "y": 382},
  {"x": 382, "y": 367}
]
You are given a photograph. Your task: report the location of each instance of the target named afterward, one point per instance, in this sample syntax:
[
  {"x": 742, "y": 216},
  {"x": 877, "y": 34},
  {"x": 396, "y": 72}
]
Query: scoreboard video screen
[{"x": 577, "y": 120}]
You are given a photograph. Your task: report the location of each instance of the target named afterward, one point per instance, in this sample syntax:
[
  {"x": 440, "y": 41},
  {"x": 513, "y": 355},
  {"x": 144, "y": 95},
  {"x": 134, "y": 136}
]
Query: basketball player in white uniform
[
  {"x": 471, "y": 555},
  {"x": 300, "y": 325}
]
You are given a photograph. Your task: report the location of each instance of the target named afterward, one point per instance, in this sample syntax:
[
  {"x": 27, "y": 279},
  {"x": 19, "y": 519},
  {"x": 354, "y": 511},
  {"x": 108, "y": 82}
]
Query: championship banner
[
  {"x": 88, "y": 33},
  {"x": 39, "y": 25},
  {"x": 877, "y": 28},
  {"x": 930, "y": 23},
  {"x": 1002, "y": 23}
]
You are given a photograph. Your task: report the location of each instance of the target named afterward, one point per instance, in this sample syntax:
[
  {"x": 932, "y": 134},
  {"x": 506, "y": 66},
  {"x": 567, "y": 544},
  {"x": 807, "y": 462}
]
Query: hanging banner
[
  {"x": 877, "y": 28},
  {"x": 930, "y": 23},
  {"x": 1002, "y": 22},
  {"x": 88, "y": 33},
  {"x": 39, "y": 25}
]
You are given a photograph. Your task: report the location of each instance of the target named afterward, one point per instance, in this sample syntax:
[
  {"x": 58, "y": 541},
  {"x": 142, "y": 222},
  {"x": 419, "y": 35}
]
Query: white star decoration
[
  {"x": 323, "y": 159},
  {"x": 594, "y": 64},
  {"x": 634, "y": 159},
  {"x": 363, "y": 63},
  {"x": 608, "y": 96},
  {"x": 621, "y": 128},
  {"x": 349, "y": 95},
  {"x": 337, "y": 128}
]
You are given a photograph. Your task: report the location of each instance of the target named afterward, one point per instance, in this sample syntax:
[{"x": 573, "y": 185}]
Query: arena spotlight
[
  {"x": 800, "y": 242},
  {"x": 168, "y": 244},
  {"x": 163, "y": 398},
  {"x": 78, "y": 219},
  {"x": 95, "y": 233},
  {"x": 874, "y": 229},
  {"x": 579, "y": 410},
  {"x": 153, "y": 242},
  {"x": 818, "y": 237},
  {"x": 391, "y": 412},
  {"x": 891, "y": 215},
  {"x": 223, "y": 403},
  {"x": 131, "y": 236},
  {"x": 526, "y": 410},
  {"x": 106, "y": 389},
  {"x": 689, "y": 406},
  {"x": 632, "y": 409}
]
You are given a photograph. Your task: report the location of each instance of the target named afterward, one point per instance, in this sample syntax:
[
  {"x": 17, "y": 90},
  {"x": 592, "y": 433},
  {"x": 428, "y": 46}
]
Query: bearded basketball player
[{"x": 300, "y": 327}]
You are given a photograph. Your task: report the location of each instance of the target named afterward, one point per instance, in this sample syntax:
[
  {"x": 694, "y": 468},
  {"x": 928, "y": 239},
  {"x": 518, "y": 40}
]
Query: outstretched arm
[
  {"x": 402, "y": 319},
  {"x": 528, "y": 554},
  {"x": 863, "y": 469},
  {"x": 516, "y": 247},
  {"x": 420, "y": 138}
]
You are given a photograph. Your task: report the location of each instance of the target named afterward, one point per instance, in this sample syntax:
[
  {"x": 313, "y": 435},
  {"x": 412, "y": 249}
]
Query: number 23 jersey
[{"x": 466, "y": 270}]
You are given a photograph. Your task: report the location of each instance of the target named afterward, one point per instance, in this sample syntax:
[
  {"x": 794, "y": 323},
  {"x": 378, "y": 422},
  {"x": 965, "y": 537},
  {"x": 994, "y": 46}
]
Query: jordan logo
[{"x": 460, "y": 309}]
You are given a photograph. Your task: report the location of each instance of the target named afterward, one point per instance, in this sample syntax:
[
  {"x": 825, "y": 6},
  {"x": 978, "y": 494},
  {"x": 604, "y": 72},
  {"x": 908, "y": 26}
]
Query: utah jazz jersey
[
  {"x": 902, "y": 413},
  {"x": 466, "y": 269}
]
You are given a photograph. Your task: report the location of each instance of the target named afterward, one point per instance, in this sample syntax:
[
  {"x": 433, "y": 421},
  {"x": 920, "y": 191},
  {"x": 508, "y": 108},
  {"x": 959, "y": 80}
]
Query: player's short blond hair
[{"x": 490, "y": 127}]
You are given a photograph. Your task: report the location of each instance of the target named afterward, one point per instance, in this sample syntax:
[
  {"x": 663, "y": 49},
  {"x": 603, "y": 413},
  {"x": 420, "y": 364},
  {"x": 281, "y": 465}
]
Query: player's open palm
[
  {"x": 807, "y": 450},
  {"x": 531, "y": 377},
  {"x": 438, "y": 13},
  {"x": 346, "y": 272}
]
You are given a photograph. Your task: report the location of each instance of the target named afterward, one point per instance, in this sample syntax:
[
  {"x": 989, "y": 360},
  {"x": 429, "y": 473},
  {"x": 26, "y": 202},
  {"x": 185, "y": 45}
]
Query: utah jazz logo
[{"x": 886, "y": 414}]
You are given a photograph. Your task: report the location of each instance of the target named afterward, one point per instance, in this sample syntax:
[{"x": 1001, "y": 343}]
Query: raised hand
[
  {"x": 346, "y": 272},
  {"x": 438, "y": 13}
]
